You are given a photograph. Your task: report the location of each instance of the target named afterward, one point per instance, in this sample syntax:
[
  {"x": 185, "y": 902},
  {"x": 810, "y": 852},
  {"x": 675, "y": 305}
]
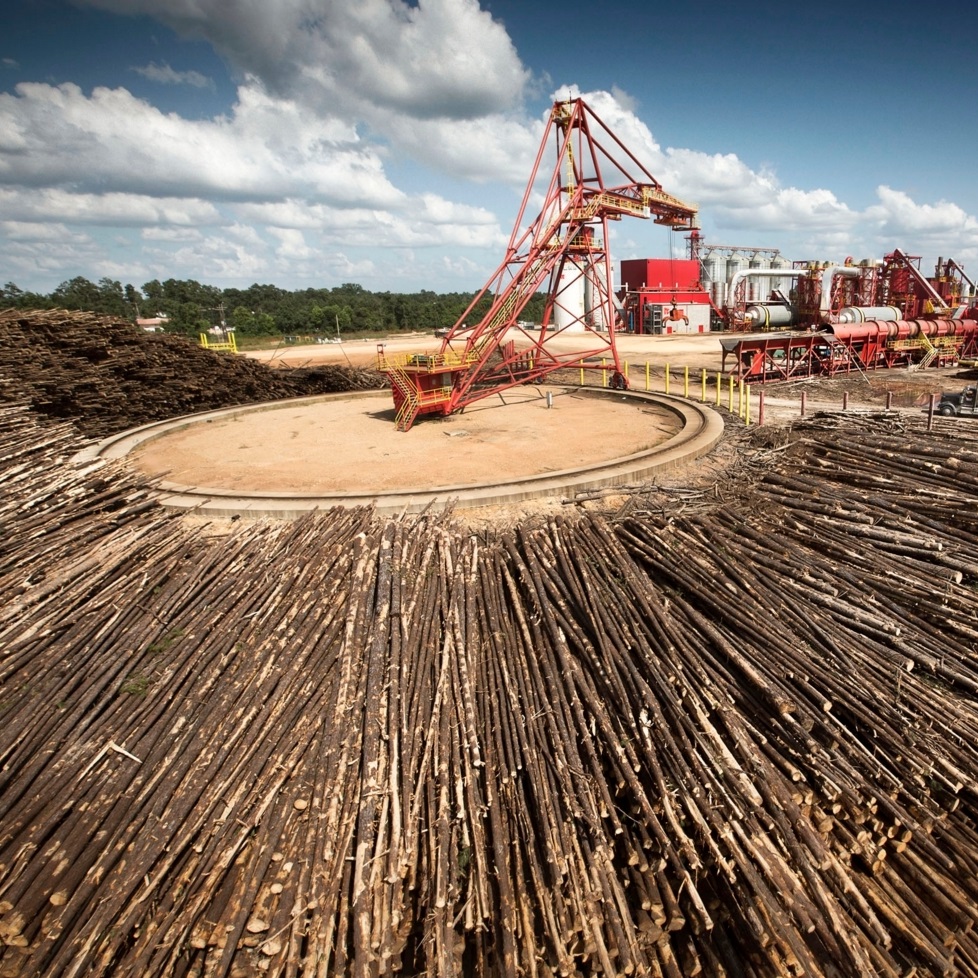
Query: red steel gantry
[{"x": 595, "y": 180}]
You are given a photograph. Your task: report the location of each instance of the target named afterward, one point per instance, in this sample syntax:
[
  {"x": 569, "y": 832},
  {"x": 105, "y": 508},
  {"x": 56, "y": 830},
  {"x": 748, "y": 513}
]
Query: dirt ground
[
  {"x": 350, "y": 445},
  {"x": 694, "y": 350},
  {"x": 697, "y": 352},
  {"x": 345, "y": 444}
]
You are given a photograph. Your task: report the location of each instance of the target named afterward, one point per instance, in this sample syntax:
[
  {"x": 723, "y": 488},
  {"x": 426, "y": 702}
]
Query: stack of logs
[
  {"x": 735, "y": 738},
  {"x": 108, "y": 375}
]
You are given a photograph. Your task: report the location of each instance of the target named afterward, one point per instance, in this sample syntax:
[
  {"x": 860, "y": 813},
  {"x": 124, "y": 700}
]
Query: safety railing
[
  {"x": 229, "y": 345},
  {"x": 431, "y": 363},
  {"x": 408, "y": 409},
  {"x": 406, "y": 414},
  {"x": 428, "y": 362},
  {"x": 933, "y": 348},
  {"x": 415, "y": 400}
]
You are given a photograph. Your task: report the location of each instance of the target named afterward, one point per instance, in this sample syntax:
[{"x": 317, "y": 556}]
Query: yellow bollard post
[
  {"x": 719, "y": 387},
  {"x": 604, "y": 373},
  {"x": 685, "y": 381},
  {"x": 730, "y": 396},
  {"x": 667, "y": 378},
  {"x": 647, "y": 375},
  {"x": 582, "y": 376},
  {"x": 703, "y": 396},
  {"x": 747, "y": 404},
  {"x": 625, "y": 366},
  {"x": 740, "y": 399}
]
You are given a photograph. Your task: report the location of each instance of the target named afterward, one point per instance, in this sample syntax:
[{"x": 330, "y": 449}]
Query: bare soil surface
[
  {"x": 694, "y": 350},
  {"x": 350, "y": 445}
]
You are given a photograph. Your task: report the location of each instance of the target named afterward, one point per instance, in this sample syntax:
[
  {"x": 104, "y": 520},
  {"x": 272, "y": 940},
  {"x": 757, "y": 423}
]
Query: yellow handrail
[
  {"x": 430, "y": 362},
  {"x": 230, "y": 344}
]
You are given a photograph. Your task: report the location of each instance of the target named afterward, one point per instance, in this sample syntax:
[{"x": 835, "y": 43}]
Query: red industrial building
[{"x": 665, "y": 295}]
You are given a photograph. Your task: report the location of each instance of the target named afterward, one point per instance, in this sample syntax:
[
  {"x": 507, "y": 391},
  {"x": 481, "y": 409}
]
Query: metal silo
[
  {"x": 782, "y": 285},
  {"x": 715, "y": 276},
  {"x": 759, "y": 287},
  {"x": 735, "y": 263}
]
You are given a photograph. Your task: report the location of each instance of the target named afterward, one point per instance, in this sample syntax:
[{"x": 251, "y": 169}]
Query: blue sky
[{"x": 308, "y": 143}]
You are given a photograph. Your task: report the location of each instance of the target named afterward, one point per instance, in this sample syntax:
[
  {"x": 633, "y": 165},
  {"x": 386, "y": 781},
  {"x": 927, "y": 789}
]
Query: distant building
[{"x": 155, "y": 325}]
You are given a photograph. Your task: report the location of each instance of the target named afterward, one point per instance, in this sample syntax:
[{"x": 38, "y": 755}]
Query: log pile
[
  {"x": 108, "y": 376},
  {"x": 733, "y": 737}
]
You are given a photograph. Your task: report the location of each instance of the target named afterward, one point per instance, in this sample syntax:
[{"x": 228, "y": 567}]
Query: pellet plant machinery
[
  {"x": 594, "y": 181},
  {"x": 853, "y": 316}
]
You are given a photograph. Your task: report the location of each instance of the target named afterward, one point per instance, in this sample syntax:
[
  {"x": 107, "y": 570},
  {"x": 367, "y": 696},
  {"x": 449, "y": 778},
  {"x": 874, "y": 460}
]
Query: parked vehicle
[{"x": 959, "y": 403}]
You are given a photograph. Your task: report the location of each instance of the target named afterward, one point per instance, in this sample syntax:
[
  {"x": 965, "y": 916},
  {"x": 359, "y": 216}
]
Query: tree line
[{"x": 261, "y": 310}]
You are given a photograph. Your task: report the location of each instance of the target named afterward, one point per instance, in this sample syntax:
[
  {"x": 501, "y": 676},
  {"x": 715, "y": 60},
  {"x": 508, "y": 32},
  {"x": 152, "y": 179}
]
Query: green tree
[
  {"x": 155, "y": 297},
  {"x": 10, "y": 296},
  {"x": 78, "y": 294},
  {"x": 241, "y": 320},
  {"x": 265, "y": 324},
  {"x": 133, "y": 301},
  {"x": 317, "y": 318},
  {"x": 248, "y": 323},
  {"x": 193, "y": 306},
  {"x": 14, "y": 297},
  {"x": 189, "y": 318},
  {"x": 112, "y": 298}
]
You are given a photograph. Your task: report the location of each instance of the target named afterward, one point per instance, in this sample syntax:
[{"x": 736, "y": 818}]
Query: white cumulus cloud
[{"x": 166, "y": 75}]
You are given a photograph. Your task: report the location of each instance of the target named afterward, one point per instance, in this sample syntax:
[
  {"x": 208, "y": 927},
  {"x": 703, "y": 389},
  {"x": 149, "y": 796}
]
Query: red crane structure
[{"x": 594, "y": 180}]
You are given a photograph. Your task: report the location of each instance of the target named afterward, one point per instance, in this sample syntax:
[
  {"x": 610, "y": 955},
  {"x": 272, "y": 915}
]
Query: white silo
[
  {"x": 594, "y": 309},
  {"x": 782, "y": 285},
  {"x": 569, "y": 307}
]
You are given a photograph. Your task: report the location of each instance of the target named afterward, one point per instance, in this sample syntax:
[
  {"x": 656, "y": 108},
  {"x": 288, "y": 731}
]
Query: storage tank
[
  {"x": 782, "y": 285},
  {"x": 735, "y": 263},
  {"x": 594, "y": 309},
  {"x": 769, "y": 317},
  {"x": 862, "y": 314},
  {"x": 569, "y": 298},
  {"x": 757, "y": 288},
  {"x": 715, "y": 276}
]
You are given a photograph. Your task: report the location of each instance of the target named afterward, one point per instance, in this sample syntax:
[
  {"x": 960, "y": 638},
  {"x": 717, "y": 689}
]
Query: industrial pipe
[
  {"x": 862, "y": 314},
  {"x": 828, "y": 274},
  {"x": 903, "y": 328},
  {"x": 770, "y": 316},
  {"x": 746, "y": 273}
]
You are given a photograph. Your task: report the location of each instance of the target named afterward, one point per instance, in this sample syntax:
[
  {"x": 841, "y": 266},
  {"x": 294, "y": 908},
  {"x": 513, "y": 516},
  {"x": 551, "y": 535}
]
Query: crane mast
[{"x": 594, "y": 180}]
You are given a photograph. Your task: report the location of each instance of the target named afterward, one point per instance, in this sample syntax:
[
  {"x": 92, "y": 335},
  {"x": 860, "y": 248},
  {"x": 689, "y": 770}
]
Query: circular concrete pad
[{"x": 291, "y": 456}]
